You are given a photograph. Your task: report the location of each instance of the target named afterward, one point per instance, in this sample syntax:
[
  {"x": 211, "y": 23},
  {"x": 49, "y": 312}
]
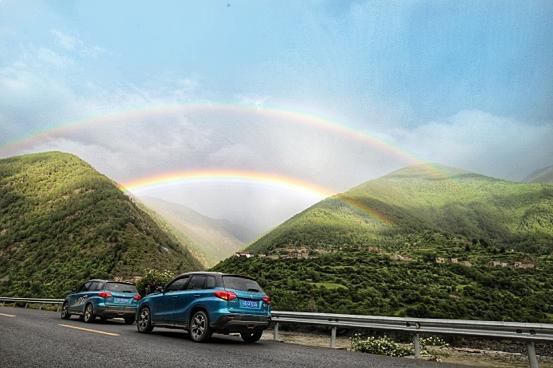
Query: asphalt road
[{"x": 32, "y": 338}]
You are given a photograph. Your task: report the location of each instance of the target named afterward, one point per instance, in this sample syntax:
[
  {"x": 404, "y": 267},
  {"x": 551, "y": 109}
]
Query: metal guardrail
[
  {"x": 27, "y": 301},
  {"x": 528, "y": 332}
]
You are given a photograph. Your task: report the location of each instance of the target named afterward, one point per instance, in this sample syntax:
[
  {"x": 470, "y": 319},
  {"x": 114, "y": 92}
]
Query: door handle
[
  {"x": 197, "y": 295},
  {"x": 174, "y": 297}
]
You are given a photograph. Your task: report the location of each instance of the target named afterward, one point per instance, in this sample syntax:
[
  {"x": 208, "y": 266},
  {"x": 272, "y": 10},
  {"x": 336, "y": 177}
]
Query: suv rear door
[{"x": 249, "y": 295}]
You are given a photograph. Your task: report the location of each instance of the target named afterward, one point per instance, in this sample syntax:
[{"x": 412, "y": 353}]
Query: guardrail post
[
  {"x": 417, "y": 345},
  {"x": 59, "y": 308},
  {"x": 532, "y": 358},
  {"x": 275, "y": 332},
  {"x": 333, "y": 337},
  {"x": 26, "y": 305}
]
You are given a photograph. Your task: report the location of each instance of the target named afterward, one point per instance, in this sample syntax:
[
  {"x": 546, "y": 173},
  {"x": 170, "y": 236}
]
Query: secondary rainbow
[{"x": 276, "y": 115}]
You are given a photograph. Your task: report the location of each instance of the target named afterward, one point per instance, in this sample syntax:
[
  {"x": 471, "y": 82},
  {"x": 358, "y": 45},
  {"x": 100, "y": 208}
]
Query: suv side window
[
  {"x": 85, "y": 287},
  {"x": 210, "y": 283},
  {"x": 197, "y": 282},
  {"x": 96, "y": 286},
  {"x": 178, "y": 284}
]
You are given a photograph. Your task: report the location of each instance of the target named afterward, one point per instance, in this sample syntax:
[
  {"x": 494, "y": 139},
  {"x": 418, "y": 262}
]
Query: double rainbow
[{"x": 274, "y": 115}]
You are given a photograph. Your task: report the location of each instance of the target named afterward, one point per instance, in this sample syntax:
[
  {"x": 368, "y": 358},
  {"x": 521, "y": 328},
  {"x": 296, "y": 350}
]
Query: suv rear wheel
[
  {"x": 251, "y": 336},
  {"x": 199, "y": 327},
  {"x": 89, "y": 316}
]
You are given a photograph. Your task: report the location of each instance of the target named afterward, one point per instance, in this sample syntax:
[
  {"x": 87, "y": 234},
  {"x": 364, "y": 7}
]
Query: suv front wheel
[
  {"x": 65, "y": 311},
  {"x": 199, "y": 327},
  {"x": 144, "y": 322}
]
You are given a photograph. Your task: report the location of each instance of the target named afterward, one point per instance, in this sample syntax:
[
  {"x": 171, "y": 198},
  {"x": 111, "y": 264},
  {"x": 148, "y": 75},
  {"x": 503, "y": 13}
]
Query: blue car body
[
  {"x": 229, "y": 303},
  {"x": 104, "y": 299}
]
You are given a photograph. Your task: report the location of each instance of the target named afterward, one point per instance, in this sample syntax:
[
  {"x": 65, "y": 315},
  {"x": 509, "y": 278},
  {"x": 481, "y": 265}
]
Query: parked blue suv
[
  {"x": 207, "y": 302},
  {"x": 104, "y": 299}
]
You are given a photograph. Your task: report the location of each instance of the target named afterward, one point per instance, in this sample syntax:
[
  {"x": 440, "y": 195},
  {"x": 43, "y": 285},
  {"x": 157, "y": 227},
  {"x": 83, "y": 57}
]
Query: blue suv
[
  {"x": 207, "y": 302},
  {"x": 104, "y": 299}
]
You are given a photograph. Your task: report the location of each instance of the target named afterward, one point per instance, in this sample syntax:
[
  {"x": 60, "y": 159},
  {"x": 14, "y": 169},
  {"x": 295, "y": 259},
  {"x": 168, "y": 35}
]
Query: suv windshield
[
  {"x": 241, "y": 283},
  {"x": 120, "y": 287}
]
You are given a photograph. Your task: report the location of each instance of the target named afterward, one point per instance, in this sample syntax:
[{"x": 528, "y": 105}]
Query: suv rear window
[
  {"x": 241, "y": 283},
  {"x": 120, "y": 287}
]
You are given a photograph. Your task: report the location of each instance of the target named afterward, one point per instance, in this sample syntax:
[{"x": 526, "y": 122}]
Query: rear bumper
[
  {"x": 115, "y": 311},
  {"x": 240, "y": 322}
]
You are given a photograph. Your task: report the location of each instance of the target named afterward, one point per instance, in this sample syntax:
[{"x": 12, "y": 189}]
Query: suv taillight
[
  {"x": 104, "y": 294},
  {"x": 266, "y": 299},
  {"x": 225, "y": 295}
]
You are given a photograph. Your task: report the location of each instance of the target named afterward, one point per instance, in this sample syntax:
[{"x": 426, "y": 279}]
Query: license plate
[
  {"x": 252, "y": 304},
  {"x": 121, "y": 300}
]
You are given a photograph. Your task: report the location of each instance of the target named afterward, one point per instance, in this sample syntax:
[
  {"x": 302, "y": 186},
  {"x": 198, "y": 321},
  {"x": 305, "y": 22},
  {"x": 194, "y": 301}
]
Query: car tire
[
  {"x": 144, "y": 322},
  {"x": 251, "y": 336},
  {"x": 65, "y": 311},
  {"x": 88, "y": 315},
  {"x": 129, "y": 320},
  {"x": 199, "y": 327}
]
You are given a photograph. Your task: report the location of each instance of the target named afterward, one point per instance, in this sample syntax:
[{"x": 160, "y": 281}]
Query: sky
[{"x": 466, "y": 84}]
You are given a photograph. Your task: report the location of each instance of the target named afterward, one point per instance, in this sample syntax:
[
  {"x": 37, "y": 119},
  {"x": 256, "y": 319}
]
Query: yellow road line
[
  {"x": 7, "y": 315},
  {"x": 89, "y": 330}
]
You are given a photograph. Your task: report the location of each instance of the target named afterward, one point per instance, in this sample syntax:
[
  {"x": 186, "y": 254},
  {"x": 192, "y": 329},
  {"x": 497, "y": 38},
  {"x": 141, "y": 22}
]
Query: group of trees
[{"x": 366, "y": 283}]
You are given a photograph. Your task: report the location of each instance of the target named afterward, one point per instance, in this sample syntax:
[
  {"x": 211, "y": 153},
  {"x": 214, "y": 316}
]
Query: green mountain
[
  {"x": 544, "y": 175},
  {"x": 62, "y": 222},
  {"x": 425, "y": 241},
  {"x": 211, "y": 240}
]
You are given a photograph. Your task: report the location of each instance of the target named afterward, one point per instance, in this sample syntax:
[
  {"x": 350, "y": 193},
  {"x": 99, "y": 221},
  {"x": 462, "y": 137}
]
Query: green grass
[{"x": 62, "y": 222}]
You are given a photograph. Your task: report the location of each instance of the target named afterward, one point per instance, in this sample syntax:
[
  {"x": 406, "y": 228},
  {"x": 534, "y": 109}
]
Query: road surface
[{"x": 33, "y": 338}]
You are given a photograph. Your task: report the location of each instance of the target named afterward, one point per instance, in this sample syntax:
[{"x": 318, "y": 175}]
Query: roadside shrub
[
  {"x": 379, "y": 345},
  {"x": 427, "y": 343},
  {"x": 153, "y": 279}
]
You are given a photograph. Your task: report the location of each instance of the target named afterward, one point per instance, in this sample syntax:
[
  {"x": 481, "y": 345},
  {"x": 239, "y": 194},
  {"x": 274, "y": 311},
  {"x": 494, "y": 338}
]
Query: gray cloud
[
  {"x": 34, "y": 93},
  {"x": 480, "y": 141}
]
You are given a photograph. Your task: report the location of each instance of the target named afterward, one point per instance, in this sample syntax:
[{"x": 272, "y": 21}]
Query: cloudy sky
[{"x": 466, "y": 84}]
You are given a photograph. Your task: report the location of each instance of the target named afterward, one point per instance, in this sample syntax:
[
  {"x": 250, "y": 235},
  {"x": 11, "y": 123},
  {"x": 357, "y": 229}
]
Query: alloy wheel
[
  {"x": 198, "y": 326},
  {"x": 144, "y": 319},
  {"x": 65, "y": 311},
  {"x": 88, "y": 313}
]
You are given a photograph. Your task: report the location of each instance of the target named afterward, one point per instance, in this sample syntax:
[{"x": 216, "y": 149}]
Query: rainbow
[
  {"x": 226, "y": 175},
  {"x": 311, "y": 190},
  {"x": 279, "y": 115}
]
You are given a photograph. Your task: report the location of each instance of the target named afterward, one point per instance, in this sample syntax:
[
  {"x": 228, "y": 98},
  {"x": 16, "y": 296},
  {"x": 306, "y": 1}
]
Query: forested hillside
[
  {"x": 62, "y": 222},
  {"x": 422, "y": 241},
  {"x": 544, "y": 175}
]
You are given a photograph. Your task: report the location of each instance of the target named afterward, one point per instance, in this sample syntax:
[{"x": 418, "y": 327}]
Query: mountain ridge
[
  {"x": 415, "y": 243},
  {"x": 543, "y": 175},
  {"x": 212, "y": 239},
  {"x": 62, "y": 222}
]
